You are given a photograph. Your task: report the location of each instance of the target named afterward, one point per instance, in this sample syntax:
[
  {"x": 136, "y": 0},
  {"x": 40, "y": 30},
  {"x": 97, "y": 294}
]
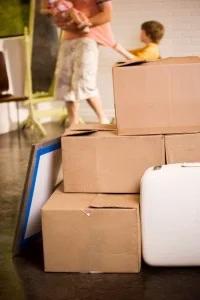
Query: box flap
[
  {"x": 94, "y": 126},
  {"x": 69, "y": 132},
  {"x": 163, "y": 61},
  {"x": 130, "y": 63},
  {"x": 67, "y": 201},
  {"x": 83, "y": 201},
  {"x": 87, "y": 129},
  {"x": 121, "y": 201},
  {"x": 103, "y": 240}
]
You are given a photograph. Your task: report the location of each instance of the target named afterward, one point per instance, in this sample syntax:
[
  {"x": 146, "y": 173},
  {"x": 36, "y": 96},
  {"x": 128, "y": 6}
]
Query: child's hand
[
  {"x": 84, "y": 19},
  {"x": 59, "y": 20}
]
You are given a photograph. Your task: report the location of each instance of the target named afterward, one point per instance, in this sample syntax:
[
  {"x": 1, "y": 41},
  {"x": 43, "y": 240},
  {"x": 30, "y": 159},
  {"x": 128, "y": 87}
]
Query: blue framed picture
[{"x": 43, "y": 175}]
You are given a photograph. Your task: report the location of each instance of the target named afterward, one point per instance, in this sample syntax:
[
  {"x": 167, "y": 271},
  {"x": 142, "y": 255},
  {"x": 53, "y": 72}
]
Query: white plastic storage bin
[{"x": 170, "y": 215}]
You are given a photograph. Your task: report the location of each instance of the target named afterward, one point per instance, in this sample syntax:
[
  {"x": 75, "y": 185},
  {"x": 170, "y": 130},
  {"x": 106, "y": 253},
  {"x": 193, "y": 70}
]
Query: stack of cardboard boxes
[
  {"x": 161, "y": 97},
  {"x": 91, "y": 223}
]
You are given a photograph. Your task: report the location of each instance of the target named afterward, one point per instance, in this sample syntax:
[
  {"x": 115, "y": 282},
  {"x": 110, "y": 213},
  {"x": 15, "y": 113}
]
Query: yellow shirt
[{"x": 149, "y": 52}]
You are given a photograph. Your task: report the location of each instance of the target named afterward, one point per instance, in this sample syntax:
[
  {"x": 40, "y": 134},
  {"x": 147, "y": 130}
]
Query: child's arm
[
  {"x": 80, "y": 20},
  {"x": 78, "y": 17},
  {"x": 125, "y": 53}
]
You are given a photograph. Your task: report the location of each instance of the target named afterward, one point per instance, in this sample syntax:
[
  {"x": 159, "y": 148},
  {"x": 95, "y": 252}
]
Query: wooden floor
[{"x": 23, "y": 277}]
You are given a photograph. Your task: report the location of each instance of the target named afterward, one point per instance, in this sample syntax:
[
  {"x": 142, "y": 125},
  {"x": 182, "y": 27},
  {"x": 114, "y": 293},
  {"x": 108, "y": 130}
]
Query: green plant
[{"x": 14, "y": 16}]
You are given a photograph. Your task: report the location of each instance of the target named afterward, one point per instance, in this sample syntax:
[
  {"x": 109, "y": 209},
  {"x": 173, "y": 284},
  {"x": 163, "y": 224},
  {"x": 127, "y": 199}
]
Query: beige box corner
[
  {"x": 103, "y": 162},
  {"x": 158, "y": 97},
  {"x": 182, "y": 148},
  {"x": 91, "y": 233}
]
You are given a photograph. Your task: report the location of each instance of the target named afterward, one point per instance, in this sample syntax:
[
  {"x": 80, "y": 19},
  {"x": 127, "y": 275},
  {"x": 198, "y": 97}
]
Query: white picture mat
[
  {"x": 47, "y": 177},
  {"x": 44, "y": 173}
]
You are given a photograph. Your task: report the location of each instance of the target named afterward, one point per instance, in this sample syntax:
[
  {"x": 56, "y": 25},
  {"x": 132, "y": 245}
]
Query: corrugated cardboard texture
[
  {"x": 158, "y": 97},
  {"x": 102, "y": 162},
  {"x": 182, "y": 148},
  {"x": 91, "y": 127},
  {"x": 91, "y": 233}
]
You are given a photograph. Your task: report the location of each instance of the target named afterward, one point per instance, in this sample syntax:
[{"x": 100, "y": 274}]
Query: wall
[
  {"x": 13, "y": 49},
  {"x": 181, "y": 19}
]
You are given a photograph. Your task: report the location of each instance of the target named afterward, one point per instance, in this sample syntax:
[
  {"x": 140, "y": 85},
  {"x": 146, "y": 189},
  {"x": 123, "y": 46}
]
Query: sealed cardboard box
[
  {"x": 91, "y": 233},
  {"x": 158, "y": 97},
  {"x": 182, "y": 148},
  {"x": 103, "y": 162}
]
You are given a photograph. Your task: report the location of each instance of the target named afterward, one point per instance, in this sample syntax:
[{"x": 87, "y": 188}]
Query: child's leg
[
  {"x": 73, "y": 112},
  {"x": 82, "y": 17},
  {"x": 75, "y": 16},
  {"x": 96, "y": 105},
  {"x": 79, "y": 19}
]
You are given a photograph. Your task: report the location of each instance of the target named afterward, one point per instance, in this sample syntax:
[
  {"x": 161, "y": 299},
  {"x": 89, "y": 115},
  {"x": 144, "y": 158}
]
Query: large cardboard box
[
  {"x": 91, "y": 233},
  {"x": 182, "y": 148},
  {"x": 158, "y": 97},
  {"x": 103, "y": 162}
]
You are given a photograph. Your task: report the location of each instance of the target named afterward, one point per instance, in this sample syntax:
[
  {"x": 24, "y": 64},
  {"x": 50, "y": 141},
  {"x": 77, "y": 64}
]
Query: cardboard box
[
  {"x": 91, "y": 233},
  {"x": 102, "y": 162},
  {"x": 182, "y": 148},
  {"x": 158, "y": 97}
]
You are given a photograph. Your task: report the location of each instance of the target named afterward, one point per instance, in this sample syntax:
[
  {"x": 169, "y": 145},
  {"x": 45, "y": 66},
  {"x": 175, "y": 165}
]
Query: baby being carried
[{"x": 67, "y": 11}]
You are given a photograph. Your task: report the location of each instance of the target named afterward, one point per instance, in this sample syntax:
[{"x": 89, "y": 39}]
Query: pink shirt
[{"x": 101, "y": 34}]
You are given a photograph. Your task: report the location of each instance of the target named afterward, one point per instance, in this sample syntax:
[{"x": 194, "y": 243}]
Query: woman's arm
[
  {"x": 65, "y": 24},
  {"x": 104, "y": 15}
]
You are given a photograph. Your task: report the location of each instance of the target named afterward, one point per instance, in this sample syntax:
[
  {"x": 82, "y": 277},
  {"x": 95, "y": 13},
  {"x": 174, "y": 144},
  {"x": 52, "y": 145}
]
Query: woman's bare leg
[
  {"x": 96, "y": 105},
  {"x": 73, "y": 112}
]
